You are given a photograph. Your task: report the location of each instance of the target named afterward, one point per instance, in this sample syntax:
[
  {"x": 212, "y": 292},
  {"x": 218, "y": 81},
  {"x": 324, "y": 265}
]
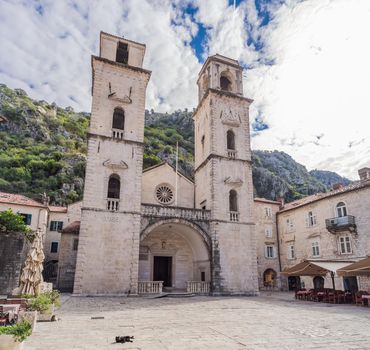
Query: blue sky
[{"x": 306, "y": 62}]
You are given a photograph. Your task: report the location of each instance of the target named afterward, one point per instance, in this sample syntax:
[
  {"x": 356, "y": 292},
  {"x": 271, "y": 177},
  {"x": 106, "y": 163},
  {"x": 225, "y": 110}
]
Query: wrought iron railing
[{"x": 341, "y": 223}]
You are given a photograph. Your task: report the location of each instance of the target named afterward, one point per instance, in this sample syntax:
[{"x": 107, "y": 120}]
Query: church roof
[
  {"x": 173, "y": 168},
  {"x": 264, "y": 200}
]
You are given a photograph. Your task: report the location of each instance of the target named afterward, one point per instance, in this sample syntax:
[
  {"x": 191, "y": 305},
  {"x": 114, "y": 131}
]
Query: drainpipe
[{"x": 278, "y": 242}]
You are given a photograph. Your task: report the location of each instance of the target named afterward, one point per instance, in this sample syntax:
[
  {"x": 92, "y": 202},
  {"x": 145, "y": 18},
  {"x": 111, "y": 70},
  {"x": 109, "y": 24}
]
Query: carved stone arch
[{"x": 201, "y": 232}]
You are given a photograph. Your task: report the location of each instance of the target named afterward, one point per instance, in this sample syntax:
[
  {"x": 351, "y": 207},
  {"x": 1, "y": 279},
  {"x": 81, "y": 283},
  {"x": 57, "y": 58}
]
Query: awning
[
  {"x": 359, "y": 268},
  {"x": 315, "y": 268}
]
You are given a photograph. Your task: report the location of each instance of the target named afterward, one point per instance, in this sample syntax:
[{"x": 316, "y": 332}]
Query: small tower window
[
  {"x": 122, "y": 53},
  {"x": 233, "y": 200},
  {"x": 230, "y": 140},
  {"x": 114, "y": 187},
  {"x": 225, "y": 83},
  {"x": 118, "y": 119}
]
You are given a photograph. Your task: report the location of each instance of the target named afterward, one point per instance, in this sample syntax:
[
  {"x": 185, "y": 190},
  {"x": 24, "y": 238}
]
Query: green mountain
[{"x": 43, "y": 150}]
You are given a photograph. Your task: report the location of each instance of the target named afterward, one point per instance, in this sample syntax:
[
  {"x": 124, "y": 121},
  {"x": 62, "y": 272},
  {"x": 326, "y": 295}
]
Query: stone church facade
[{"x": 146, "y": 230}]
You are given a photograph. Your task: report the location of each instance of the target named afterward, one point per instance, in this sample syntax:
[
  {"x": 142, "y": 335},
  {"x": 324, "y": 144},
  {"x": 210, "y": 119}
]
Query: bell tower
[
  {"x": 108, "y": 249},
  {"x": 223, "y": 174}
]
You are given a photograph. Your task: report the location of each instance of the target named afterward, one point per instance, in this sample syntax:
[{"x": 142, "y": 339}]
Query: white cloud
[{"x": 313, "y": 96}]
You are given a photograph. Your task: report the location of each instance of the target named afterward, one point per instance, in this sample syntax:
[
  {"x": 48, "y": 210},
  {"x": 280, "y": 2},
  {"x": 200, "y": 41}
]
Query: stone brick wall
[{"x": 13, "y": 251}]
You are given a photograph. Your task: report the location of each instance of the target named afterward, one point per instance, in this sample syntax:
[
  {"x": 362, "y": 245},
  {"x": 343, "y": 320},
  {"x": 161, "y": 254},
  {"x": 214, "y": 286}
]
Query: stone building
[
  {"x": 268, "y": 259},
  {"x": 140, "y": 230},
  {"x": 331, "y": 228}
]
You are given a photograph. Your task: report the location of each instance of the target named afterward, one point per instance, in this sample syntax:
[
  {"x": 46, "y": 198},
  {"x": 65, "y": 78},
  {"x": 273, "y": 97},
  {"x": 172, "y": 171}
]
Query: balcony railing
[
  {"x": 113, "y": 204},
  {"x": 175, "y": 212},
  {"x": 150, "y": 287},
  {"x": 197, "y": 287},
  {"x": 118, "y": 134},
  {"x": 231, "y": 153},
  {"x": 234, "y": 216},
  {"x": 343, "y": 223}
]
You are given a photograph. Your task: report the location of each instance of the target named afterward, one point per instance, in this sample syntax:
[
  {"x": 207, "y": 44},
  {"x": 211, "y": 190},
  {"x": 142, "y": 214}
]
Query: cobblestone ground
[{"x": 270, "y": 321}]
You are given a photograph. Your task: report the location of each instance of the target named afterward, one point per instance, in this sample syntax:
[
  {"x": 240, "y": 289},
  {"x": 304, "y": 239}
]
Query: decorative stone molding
[
  {"x": 115, "y": 165},
  {"x": 230, "y": 118},
  {"x": 234, "y": 182},
  {"x": 124, "y": 99}
]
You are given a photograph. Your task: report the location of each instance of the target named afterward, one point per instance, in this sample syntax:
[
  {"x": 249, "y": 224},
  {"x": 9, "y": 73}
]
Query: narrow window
[
  {"x": 122, "y": 53},
  {"x": 54, "y": 247},
  {"x": 118, "y": 119},
  {"x": 268, "y": 212},
  {"x": 311, "y": 219},
  {"x": 341, "y": 209},
  {"x": 233, "y": 201},
  {"x": 114, "y": 187},
  {"x": 315, "y": 249},
  {"x": 345, "y": 245},
  {"x": 225, "y": 83},
  {"x": 203, "y": 276},
  {"x": 269, "y": 251},
  {"x": 75, "y": 244},
  {"x": 230, "y": 140},
  {"x": 268, "y": 231},
  {"x": 291, "y": 252}
]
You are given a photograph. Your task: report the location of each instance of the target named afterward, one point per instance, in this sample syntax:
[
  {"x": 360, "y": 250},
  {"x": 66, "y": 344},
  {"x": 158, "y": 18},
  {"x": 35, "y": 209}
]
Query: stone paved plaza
[{"x": 270, "y": 321}]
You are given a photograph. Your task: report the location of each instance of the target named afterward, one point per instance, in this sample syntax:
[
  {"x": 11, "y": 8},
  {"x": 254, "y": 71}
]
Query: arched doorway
[
  {"x": 294, "y": 282},
  {"x": 318, "y": 282},
  {"x": 175, "y": 252},
  {"x": 269, "y": 278}
]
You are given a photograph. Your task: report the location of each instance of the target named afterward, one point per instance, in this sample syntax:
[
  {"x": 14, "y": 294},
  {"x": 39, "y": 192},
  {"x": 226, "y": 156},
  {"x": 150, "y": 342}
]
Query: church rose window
[{"x": 164, "y": 194}]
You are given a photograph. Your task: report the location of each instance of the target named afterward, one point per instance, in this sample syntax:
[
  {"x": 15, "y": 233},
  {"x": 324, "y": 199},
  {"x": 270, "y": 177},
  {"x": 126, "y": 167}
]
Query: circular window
[{"x": 164, "y": 194}]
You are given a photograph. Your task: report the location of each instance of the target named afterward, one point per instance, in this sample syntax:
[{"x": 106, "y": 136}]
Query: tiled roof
[
  {"x": 73, "y": 227},
  {"x": 55, "y": 209},
  {"x": 264, "y": 200},
  {"x": 19, "y": 199},
  {"x": 358, "y": 185}
]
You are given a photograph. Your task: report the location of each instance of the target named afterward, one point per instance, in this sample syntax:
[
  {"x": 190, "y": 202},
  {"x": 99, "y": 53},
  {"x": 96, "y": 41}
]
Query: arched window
[
  {"x": 230, "y": 140},
  {"x": 114, "y": 186},
  {"x": 225, "y": 83},
  {"x": 118, "y": 119},
  {"x": 318, "y": 282},
  {"x": 233, "y": 201},
  {"x": 341, "y": 209}
]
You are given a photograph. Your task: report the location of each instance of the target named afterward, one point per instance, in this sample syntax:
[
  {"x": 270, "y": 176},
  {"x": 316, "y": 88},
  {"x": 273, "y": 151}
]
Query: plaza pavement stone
[{"x": 270, "y": 321}]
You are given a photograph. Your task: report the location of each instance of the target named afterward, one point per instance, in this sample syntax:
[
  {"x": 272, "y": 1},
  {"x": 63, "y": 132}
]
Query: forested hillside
[{"x": 43, "y": 149}]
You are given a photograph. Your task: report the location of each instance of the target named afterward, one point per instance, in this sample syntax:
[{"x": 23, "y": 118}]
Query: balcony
[
  {"x": 231, "y": 153},
  {"x": 113, "y": 204},
  {"x": 118, "y": 134},
  {"x": 340, "y": 224},
  {"x": 234, "y": 216},
  {"x": 175, "y": 212}
]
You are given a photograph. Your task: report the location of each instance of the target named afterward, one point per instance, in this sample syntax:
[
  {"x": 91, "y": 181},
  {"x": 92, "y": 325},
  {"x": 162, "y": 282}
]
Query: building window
[
  {"x": 225, "y": 83},
  {"x": 233, "y": 201},
  {"x": 268, "y": 212},
  {"x": 291, "y": 251},
  {"x": 289, "y": 224},
  {"x": 269, "y": 251},
  {"x": 203, "y": 205},
  {"x": 75, "y": 244},
  {"x": 27, "y": 218},
  {"x": 230, "y": 136},
  {"x": 345, "y": 245},
  {"x": 122, "y": 53},
  {"x": 54, "y": 247},
  {"x": 114, "y": 187},
  {"x": 268, "y": 231},
  {"x": 56, "y": 225},
  {"x": 315, "y": 248},
  {"x": 164, "y": 194},
  {"x": 118, "y": 121},
  {"x": 341, "y": 209},
  {"x": 311, "y": 219},
  {"x": 203, "y": 276}
]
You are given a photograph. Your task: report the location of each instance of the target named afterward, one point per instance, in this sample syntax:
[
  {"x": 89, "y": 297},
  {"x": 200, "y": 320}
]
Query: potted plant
[
  {"x": 45, "y": 305},
  {"x": 12, "y": 337}
]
